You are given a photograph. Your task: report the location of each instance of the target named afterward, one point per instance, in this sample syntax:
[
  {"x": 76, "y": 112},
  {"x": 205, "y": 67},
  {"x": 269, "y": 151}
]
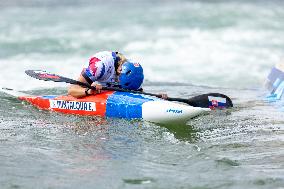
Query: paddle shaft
[
  {"x": 75, "y": 82},
  {"x": 198, "y": 101}
]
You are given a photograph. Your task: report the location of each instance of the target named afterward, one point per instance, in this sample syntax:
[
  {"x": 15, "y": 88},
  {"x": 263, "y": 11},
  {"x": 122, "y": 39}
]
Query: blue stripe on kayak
[
  {"x": 49, "y": 96},
  {"x": 126, "y": 105}
]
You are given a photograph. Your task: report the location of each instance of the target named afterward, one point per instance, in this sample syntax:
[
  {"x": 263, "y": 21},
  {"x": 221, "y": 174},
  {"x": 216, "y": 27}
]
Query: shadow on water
[{"x": 182, "y": 132}]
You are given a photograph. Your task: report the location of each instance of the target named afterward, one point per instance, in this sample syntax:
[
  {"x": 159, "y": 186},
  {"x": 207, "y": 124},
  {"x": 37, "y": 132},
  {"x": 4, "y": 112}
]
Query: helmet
[{"x": 131, "y": 76}]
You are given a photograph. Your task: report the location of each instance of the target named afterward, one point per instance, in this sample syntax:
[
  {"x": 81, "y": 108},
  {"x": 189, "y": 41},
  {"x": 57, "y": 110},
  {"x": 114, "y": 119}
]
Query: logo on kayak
[
  {"x": 50, "y": 76},
  {"x": 44, "y": 74},
  {"x": 73, "y": 105},
  {"x": 175, "y": 111}
]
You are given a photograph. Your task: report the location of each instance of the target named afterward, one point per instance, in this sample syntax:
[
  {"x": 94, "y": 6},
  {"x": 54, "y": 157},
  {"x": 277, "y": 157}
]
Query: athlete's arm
[{"x": 76, "y": 90}]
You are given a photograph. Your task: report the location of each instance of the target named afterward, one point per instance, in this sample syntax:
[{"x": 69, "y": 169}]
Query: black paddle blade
[
  {"x": 211, "y": 100},
  {"x": 43, "y": 75}
]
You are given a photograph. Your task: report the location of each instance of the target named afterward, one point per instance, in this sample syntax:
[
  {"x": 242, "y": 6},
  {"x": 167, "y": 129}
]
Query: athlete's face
[{"x": 119, "y": 69}]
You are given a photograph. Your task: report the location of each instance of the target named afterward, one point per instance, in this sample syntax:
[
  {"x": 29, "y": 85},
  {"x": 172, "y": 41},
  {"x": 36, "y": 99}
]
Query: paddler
[{"x": 108, "y": 68}]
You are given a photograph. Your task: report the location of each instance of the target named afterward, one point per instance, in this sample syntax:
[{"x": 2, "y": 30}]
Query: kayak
[{"x": 115, "y": 104}]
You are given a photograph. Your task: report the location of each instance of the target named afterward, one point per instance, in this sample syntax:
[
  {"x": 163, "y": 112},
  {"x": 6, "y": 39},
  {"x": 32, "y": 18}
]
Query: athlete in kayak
[{"x": 108, "y": 68}]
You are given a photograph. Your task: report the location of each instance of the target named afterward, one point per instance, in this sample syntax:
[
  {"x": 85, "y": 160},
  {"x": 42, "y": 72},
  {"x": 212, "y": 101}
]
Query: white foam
[
  {"x": 206, "y": 57},
  {"x": 197, "y": 44}
]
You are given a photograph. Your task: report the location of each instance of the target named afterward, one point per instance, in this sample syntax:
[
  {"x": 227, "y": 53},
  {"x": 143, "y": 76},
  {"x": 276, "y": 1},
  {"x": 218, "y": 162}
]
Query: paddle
[
  {"x": 275, "y": 82},
  {"x": 209, "y": 100}
]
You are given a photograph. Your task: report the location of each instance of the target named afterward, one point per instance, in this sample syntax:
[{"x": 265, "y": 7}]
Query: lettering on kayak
[
  {"x": 175, "y": 111},
  {"x": 73, "y": 105}
]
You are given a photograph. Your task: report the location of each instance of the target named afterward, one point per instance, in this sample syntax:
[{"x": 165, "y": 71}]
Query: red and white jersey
[{"x": 101, "y": 67}]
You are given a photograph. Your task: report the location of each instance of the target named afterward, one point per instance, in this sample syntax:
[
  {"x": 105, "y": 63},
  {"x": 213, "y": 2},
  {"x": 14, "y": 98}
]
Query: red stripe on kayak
[{"x": 90, "y": 105}]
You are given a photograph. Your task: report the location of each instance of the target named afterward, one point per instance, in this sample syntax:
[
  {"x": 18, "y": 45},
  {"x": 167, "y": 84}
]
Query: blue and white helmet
[{"x": 131, "y": 76}]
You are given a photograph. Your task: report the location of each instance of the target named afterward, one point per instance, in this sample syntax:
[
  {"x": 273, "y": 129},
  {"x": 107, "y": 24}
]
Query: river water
[{"x": 186, "y": 48}]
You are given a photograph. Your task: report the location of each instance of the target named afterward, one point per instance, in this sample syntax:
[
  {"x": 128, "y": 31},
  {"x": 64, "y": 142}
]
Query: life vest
[{"x": 101, "y": 68}]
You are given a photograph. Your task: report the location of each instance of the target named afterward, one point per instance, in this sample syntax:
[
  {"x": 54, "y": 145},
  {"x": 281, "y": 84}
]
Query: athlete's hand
[
  {"x": 98, "y": 86},
  {"x": 163, "y": 96}
]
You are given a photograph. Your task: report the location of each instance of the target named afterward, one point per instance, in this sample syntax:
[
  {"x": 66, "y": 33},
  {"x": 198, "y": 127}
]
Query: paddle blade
[
  {"x": 211, "y": 100},
  {"x": 43, "y": 75}
]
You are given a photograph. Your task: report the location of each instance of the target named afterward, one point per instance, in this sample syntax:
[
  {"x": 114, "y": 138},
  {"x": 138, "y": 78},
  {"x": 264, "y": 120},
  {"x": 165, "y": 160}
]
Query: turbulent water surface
[{"x": 186, "y": 48}]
